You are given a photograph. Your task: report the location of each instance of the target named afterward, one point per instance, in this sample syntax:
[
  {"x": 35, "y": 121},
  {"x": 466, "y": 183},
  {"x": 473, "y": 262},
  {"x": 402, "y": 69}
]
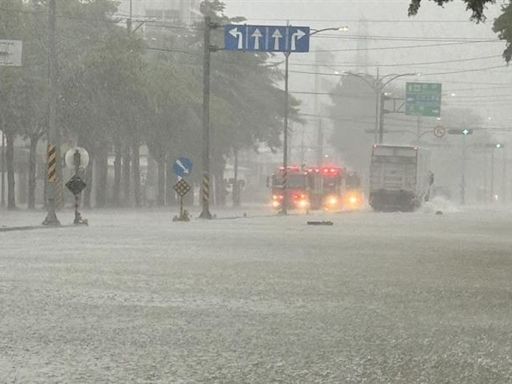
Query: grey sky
[{"x": 438, "y": 34}]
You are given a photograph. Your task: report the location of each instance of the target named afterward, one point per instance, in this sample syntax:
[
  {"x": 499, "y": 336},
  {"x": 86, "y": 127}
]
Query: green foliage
[
  {"x": 112, "y": 90},
  {"x": 502, "y": 25},
  {"x": 477, "y": 7}
]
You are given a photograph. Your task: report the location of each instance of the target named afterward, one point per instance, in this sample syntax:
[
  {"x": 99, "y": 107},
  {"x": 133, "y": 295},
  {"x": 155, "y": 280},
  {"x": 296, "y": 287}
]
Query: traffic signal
[
  {"x": 495, "y": 145},
  {"x": 463, "y": 131}
]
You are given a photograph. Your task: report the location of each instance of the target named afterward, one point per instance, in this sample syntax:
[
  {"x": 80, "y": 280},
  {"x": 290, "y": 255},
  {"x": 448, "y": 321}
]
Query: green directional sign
[{"x": 423, "y": 99}]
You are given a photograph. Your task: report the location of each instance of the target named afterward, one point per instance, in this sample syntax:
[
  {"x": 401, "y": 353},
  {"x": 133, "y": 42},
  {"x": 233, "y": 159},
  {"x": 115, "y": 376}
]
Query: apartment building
[{"x": 172, "y": 11}]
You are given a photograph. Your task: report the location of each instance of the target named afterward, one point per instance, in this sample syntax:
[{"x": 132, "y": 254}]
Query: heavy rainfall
[{"x": 255, "y": 191}]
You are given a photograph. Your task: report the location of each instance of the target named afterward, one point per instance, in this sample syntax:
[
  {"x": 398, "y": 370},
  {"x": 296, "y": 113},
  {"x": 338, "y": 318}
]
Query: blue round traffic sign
[{"x": 182, "y": 167}]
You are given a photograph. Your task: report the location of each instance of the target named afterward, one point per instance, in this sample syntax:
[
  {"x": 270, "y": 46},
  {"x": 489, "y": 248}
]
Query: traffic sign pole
[
  {"x": 182, "y": 188},
  {"x": 77, "y": 158},
  {"x": 268, "y": 38}
]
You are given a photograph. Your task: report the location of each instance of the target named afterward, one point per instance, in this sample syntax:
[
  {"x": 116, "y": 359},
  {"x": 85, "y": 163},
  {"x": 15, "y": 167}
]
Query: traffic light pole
[
  {"x": 492, "y": 177},
  {"x": 463, "y": 181},
  {"x": 504, "y": 189},
  {"x": 51, "y": 217}
]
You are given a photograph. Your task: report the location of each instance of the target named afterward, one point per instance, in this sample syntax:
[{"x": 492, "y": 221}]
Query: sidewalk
[{"x": 20, "y": 219}]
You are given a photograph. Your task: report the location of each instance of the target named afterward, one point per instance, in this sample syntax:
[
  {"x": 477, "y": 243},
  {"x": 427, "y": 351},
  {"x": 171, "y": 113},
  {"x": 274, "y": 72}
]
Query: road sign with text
[
  {"x": 266, "y": 38},
  {"x": 10, "y": 53},
  {"x": 423, "y": 99}
]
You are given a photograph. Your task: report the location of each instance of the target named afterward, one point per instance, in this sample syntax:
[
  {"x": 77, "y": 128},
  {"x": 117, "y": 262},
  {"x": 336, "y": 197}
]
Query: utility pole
[
  {"x": 53, "y": 133},
  {"x": 377, "y": 107},
  {"x": 3, "y": 169},
  {"x": 381, "y": 99},
  {"x": 129, "y": 21},
  {"x": 207, "y": 49}
]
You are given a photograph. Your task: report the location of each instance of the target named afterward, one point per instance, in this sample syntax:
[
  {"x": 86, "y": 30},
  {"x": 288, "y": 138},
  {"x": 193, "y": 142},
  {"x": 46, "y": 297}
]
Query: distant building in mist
[{"x": 170, "y": 11}]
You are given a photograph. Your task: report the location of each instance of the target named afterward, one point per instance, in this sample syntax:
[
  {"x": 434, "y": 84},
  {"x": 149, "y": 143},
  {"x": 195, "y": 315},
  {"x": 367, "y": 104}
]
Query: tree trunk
[
  {"x": 116, "y": 198},
  {"x": 220, "y": 190},
  {"x": 161, "y": 181},
  {"x": 11, "y": 198},
  {"x": 136, "y": 172},
  {"x": 101, "y": 160},
  {"x": 236, "y": 185},
  {"x": 126, "y": 176},
  {"x": 34, "y": 139}
]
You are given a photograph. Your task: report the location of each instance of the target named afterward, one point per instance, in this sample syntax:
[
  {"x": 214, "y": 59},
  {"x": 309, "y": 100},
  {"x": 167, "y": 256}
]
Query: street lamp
[
  {"x": 343, "y": 28},
  {"x": 493, "y": 147},
  {"x": 378, "y": 85},
  {"x": 320, "y": 134},
  {"x": 287, "y": 54}
]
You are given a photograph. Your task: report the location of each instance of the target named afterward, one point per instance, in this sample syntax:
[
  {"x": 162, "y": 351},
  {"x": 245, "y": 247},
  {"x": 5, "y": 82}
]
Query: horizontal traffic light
[{"x": 463, "y": 131}]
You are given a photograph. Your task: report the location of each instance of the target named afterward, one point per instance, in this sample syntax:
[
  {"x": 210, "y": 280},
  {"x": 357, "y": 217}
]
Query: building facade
[{"x": 171, "y": 11}]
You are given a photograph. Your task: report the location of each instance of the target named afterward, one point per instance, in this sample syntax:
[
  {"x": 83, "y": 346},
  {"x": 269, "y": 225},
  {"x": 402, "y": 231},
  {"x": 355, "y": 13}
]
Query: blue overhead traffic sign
[
  {"x": 266, "y": 38},
  {"x": 277, "y": 38},
  {"x": 182, "y": 167},
  {"x": 256, "y": 38},
  {"x": 298, "y": 39}
]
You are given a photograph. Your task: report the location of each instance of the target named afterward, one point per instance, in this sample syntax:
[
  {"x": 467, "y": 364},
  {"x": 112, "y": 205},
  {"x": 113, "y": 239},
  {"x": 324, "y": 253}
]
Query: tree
[
  {"x": 16, "y": 100},
  {"x": 477, "y": 7},
  {"x": 502, "y": 25}
]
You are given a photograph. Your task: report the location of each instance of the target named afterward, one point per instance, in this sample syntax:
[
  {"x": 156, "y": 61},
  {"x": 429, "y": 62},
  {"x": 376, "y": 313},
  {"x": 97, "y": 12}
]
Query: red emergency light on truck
[
  {"x": 297, "y": 191},
  {"x": 331, "y": 188}
]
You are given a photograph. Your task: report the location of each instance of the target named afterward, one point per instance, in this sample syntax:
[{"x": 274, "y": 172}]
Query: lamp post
[
  {"x": 320, "y": 134},
  {"x": 493, "y": 147},
  {"x": 378, "y": 85},
  {"x": 284, "y": 208}
]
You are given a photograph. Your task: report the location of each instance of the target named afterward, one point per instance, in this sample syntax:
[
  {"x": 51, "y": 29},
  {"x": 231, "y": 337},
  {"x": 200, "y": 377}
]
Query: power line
[
  {"x": 398, "y": 64},
  {"x": 407, "y": 46},
  {"x": 463, "y": 71},
  {"x": 172, "y": 51},
  {"x": 422, "y": 74},
  {"x": 411, "y": 20},
  {"x": 399, "y": 38}
]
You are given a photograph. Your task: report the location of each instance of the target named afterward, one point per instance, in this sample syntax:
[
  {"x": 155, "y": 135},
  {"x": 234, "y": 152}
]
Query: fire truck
[
  {"x": 297, "y": 189},
  {"x": 326, "y": 187},
  {"x": 331, "y": 188}
]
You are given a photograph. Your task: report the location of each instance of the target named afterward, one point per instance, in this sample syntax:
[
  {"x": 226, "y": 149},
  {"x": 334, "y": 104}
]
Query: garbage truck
[{"x": 400, "y": 177}]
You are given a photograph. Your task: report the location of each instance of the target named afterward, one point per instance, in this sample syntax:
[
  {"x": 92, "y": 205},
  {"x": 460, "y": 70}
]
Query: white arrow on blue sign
[
  {"x": 182, "y": 167},
  {"x": 266, "y": 38}
]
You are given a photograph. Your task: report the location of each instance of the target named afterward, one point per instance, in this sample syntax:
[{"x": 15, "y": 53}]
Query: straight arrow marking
[
  {"x": 277, "y": 36},
  {"x": 257, "y": 37}
]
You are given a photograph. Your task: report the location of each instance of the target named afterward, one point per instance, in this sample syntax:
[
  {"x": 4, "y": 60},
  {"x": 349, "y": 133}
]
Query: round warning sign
[{"x": 439, "y": 131}]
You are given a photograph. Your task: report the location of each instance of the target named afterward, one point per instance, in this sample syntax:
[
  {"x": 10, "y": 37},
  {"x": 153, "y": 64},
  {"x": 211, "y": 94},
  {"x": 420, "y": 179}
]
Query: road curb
[{"x": 34, "y": 227}]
